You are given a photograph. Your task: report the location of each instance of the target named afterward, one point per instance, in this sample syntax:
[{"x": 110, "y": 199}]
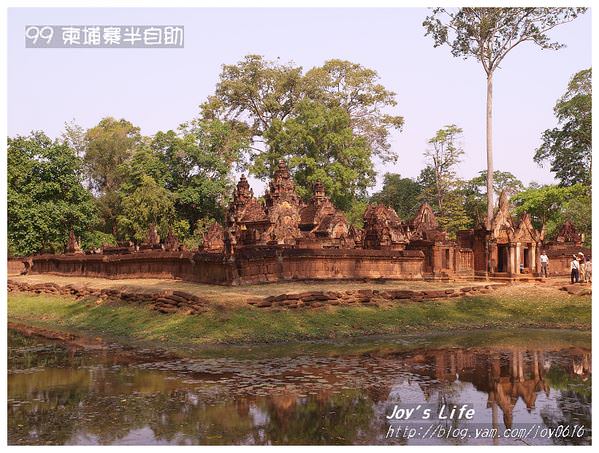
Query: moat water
[{"x": 530, "y": 382}]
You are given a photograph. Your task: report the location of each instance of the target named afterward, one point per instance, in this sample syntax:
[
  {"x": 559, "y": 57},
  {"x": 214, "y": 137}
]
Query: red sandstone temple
[{"x": 284, "y": 238}]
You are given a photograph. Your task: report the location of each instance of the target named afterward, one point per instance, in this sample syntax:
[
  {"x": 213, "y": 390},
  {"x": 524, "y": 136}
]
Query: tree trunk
[{"x": 489, "y": 149}]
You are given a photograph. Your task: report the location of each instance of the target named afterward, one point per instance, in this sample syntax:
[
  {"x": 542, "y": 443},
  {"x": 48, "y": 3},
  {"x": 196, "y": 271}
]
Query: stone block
[
  {"x": 434, "y": 294},
  {"x": 402, "y": 294}
]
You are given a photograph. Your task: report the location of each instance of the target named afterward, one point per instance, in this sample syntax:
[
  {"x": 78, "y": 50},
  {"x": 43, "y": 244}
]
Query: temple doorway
[
  {"x": 445, "y": 259},
  {"x": 502, "y": 257}
]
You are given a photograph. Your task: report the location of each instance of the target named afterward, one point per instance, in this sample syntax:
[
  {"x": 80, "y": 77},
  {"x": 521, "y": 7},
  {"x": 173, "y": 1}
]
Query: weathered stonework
[
  {"x": 73, "y": 245},
  {"x": 152, "y": 241},
  {"x": 173, "y": 301},
  {"x": 163, "y": 301},
  {"x": 284, "y": 238},
  {"x": 443, "y": 258},
  {"x": 171, "y": 243},
  {"x": 383, "y": 229},
  {"x": 567, "y": 242},
  {"x": 214, "y": 239},
  {"x": 509, "y": 249}
]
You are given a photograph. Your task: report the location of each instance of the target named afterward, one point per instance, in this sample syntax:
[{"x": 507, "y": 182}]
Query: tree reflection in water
[{"x": 64, "y": 396}]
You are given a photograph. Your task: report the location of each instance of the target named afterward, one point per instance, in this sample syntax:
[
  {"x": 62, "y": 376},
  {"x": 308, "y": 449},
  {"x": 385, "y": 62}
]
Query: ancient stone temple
[
  {"x": 283, "y": 207},
  {"x": 282, "y": 237},
  {"x": 509, "y": 249},
  {"x": 442, "y": 258},
  {"x": 383, "y": 229},
  {"x": 567, "y": 242},
  {"x": 73, "y": 245},
  {"x": 171, "y": 243},
  {"x": 152, "y": 241},
  {"x": 214, "y": 239},
  {"x": 283, "y": 219},
  {"x": 246, "y": 219},
  {"x": 322, "y": 225},
  {"x": 569, "y": 235}
]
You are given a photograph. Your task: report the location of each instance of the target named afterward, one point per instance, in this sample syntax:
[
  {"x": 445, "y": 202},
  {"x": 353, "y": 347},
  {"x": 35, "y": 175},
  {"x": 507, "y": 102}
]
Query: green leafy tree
[
  {"x": 453, "y": 217},
  {"x": 550, "y": 206},
  {"x": 354, "y": 88},
  {"x": 198, "y": 162},
  {"x": 107, "y": 147},
  {"x": 402, "y": 194},
  {"x": 255, "y": 92},
  {"x": 355, "y": 214},
  {"x": 441, "y": 187},
  {"x": 45, "y": 195},
  {"x": 579, "y": 210},
  {"x": 319, "y": 145},
  {"x": 74, "y": 137},
  {"x": 95, "y": 239},
  {"x": 443, "y": 155},
  {"x": 196, "y": 238},
  {"x": 148, "y": 204},
  {"x": 259, "y": 97},
  {"x": 488, "y": 35},
  {"x": 568, "y": 148},
  {"x": 475, "y": 192}
]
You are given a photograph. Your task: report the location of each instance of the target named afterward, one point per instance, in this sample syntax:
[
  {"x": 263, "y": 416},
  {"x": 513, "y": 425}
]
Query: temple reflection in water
[{"x": 324, "y": 397}]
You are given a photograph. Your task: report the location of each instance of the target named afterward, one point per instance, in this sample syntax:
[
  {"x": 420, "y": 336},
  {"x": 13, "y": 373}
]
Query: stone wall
[
  {"x": 206, "y": 268},
  {"x": 362, "y": 297},
  {"x": 254, "y": 265},
  {"x": 192, "y": 304},
  {"x": 560, "y": 256},
  {"x": 15, "y": 266},
  {"x": 163, "y": 301}
]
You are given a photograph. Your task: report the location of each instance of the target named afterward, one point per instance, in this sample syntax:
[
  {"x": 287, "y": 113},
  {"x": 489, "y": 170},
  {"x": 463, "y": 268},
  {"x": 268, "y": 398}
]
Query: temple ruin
[
  {"x": 510, "y": 248},
  {"x": 560, "y": 249},
  {"x": 281, "y": 237}
]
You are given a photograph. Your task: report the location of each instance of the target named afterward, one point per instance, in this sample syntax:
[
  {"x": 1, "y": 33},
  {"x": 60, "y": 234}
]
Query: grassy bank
[{"x": 517, "y": 306}]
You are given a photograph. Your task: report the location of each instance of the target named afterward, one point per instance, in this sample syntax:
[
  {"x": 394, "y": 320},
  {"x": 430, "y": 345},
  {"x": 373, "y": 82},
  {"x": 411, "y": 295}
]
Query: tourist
[
  {"x": 582, "y": 265},
  {"x": 574, "y": 269},
  {"x": 589, "y": 271},
  {"x": 544, "y": 264}
]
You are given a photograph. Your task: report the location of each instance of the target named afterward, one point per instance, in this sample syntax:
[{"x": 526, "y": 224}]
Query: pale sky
[{"x": 157, "y": 89}]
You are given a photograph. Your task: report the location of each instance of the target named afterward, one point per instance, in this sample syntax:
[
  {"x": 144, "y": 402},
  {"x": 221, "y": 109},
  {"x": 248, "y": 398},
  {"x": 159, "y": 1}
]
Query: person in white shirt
[
  {"x": 574, "y": 268},
  {"x": 544, "y": 264}
]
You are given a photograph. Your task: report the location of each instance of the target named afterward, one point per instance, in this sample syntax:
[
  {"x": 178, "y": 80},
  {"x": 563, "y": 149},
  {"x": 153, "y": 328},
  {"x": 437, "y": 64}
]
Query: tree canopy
[
  {"x": 339, "y": 105},
  {"x": 45, "y": 195},
  {"x": 319, "y": 145},
  {"x": 550, "y": 206},
  {"x": 402, "y": 194},
  {"x": 440, "y": 187},
  {"x": 331, "y": 124},
  {"x": 568, "y": 147},
  {"x": 488, "y": 35}
]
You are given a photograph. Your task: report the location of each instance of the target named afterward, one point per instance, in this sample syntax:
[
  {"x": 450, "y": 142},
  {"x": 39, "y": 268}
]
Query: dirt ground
[{"x": 239, "y": 294}]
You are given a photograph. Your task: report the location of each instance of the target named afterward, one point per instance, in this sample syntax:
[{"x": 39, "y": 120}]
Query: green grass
[{"x": 138, "y": 325}]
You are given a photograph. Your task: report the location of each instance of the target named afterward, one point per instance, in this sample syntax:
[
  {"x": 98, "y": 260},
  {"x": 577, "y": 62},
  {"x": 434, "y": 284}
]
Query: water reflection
[{"x": 59, "y": 395}]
